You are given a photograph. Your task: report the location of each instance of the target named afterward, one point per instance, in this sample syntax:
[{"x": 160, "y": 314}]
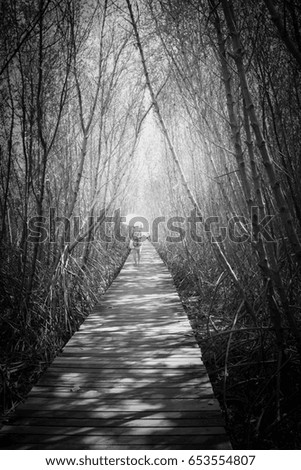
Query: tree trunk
[{"x": 284, "y": 210}]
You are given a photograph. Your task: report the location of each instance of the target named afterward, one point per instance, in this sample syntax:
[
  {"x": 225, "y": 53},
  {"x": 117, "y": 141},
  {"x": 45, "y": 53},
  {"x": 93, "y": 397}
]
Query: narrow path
[{"x": 130, "y": 378}]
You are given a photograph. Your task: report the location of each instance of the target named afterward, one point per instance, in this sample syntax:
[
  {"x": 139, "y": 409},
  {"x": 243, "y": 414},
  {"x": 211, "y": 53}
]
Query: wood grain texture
[{"x": 131, "y": 378}]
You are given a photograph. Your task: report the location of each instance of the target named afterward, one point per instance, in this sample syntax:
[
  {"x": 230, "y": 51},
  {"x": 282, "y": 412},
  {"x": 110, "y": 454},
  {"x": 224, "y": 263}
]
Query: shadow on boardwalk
[{"x": 130, "y": 378}]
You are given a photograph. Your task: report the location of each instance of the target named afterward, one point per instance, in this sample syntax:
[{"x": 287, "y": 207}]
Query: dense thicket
[{"x": 70, "y": 107}]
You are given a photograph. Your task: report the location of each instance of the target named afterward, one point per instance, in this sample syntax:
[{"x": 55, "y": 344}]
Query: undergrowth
[
  {"x": 60, "y": 302},
  {"x": 257, "y": 385}
]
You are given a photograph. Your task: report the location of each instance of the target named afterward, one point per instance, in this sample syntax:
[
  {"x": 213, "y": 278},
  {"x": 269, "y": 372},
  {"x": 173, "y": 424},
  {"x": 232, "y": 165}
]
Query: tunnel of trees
[{"x": 188, "y": 113}]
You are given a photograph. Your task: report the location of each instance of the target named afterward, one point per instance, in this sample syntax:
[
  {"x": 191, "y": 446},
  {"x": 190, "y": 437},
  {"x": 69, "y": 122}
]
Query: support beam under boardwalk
[{"x": 130, "y": 378}]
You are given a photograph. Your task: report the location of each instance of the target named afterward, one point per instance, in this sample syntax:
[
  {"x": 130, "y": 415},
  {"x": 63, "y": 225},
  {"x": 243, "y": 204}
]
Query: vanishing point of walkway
[{"x": 130, "y": 378}]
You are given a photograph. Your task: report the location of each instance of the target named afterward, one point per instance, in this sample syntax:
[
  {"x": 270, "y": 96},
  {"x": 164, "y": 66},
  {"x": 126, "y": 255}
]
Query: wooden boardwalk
[{"x": 130, "y": 378}]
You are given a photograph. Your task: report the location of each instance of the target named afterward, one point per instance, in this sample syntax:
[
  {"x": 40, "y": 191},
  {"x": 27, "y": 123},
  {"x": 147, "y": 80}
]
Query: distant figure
[{"x": 137, "y": 237}]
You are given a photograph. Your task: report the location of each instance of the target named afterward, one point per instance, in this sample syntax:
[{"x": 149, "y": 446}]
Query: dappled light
[{"x": 133, "y": 370}]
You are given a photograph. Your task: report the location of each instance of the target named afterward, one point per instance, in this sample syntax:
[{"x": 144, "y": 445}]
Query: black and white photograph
[{"x": 150, "y": 232}]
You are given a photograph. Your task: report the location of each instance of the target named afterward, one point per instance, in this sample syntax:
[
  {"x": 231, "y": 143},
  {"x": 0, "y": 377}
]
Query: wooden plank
[
  {"x": 131, "y": 394},
  {"x": 138, "y": 345},
  {"x": 147, "y": 351},
  {"x": 107, "y": 404},
  {"x": 80, "y": 380},
  {"x": 143, "y": 354},
  {"x": 77, "y": 377},
  {"x": 128, "y": 337},
  {"x": 123, "y": 388},
  {"x": 146, "y": 357},
  {"x": 38, "y": 441},
  {"x": 105, "y": 373},
  {"x": 110, "y": 356},
  {"x": 116, "y": 431},
  {"x": 118, "y": 415},
  {"x": 109, "y": 342},
  {"x": 133, "y": 423},
  {"x": 129, "y": 321},
  {"x": 125, "y": 363},
  {"x": 157, "y": 329}
]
